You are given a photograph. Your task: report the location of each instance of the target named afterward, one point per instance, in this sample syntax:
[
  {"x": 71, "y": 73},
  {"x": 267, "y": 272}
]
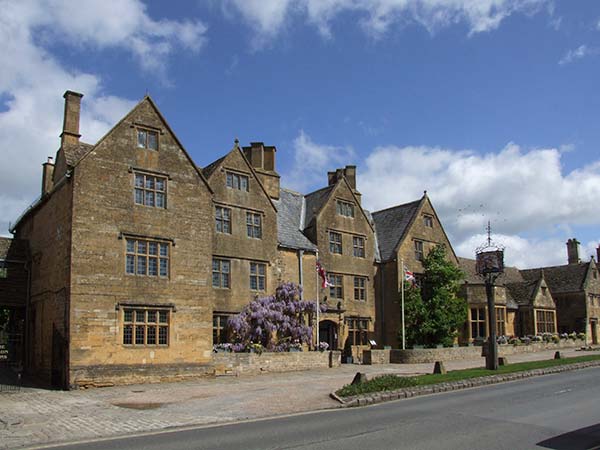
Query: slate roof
[
  {"x": 468, "y": 266},
  {"x": 13, "y": 249},
  {"x": 560, "y": 279},
  {"x": 208, "y": 170},
  {"x": 376, "y": 241},
  {"x": 74, "y": 153},
  {"x": 290, "y": 208},
  {"x": 523, "y": 291},
  {"x": 391, "y": 225},
  {"x": 314, "y": 202}
]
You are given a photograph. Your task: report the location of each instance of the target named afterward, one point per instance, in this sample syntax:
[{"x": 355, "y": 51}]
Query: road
[{"x": 559, "y": 411}]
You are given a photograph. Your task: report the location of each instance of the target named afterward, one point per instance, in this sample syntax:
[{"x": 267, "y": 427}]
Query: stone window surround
[
  {"x": 477, "y": 322},
  {"x": 428, "y": 220},
  {"x": 224, "y": 275},
  {"x": 358, "y": 246},
  {"x": 358, "y": 328},
  {"x": 500, "y": 320},
  {"x": 140, "y": 127},
  {"x": 145, "y": 189},
  {"x": 360, "y": 288},
  {"x": 223, "y": 219},
  {"x": 159, "y": 325},
  {"x": 548, "y": 322},
  {"x": 344, "y": 208},
  {"x": 254, "y": 222},
  {"x": 258, "y": 280},
  {"x": 220, "y": 335},
  {"x": 419, "y": 249},
  {"x": 233, "y": 175},
  {"x": 335, "y": 244},
  {"x": 336, "y": 290},
  {"x": 138, "y": 237}
]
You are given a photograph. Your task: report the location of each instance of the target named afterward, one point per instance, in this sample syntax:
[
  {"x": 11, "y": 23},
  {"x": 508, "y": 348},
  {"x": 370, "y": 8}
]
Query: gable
[{"x": 341, "y": 191}]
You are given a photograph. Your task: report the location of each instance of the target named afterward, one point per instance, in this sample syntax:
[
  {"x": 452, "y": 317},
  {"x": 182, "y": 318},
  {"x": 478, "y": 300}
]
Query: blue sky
[{"x": 490, "y": 105}]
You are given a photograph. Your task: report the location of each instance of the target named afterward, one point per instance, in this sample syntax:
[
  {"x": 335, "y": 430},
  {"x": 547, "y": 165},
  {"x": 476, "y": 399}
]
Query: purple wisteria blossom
[{"x": 277, "y": 322}]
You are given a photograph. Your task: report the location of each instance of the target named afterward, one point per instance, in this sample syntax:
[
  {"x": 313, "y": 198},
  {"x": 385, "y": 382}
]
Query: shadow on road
[{"x": 584, "y": 438}]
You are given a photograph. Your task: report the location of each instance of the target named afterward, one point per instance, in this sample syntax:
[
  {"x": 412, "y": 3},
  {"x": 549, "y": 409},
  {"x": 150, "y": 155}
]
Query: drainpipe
[{"x": 301, "y": 276}]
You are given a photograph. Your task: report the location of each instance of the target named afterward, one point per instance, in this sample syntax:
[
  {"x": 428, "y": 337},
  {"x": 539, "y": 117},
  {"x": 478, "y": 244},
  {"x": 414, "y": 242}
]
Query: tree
[
  {"x": 434, "y": 312},
  {"x": 276, "y": 322}
]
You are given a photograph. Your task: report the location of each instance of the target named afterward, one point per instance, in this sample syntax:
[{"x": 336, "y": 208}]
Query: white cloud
[
  {"x": 269, "y": 17},
  {"x": 518, "y": 191},
  {"x": 576, "y": 54},
  {"x": 312, "y": 161},
  {"x": 32, "y": 83}
]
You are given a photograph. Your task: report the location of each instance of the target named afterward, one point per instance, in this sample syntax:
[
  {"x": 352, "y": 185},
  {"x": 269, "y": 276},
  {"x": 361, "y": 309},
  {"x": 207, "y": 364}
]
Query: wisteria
[{"x": 278, "y": 322}]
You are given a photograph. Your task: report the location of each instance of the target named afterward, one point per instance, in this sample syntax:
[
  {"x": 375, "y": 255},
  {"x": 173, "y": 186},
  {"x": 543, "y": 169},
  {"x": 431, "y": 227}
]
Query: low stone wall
[
  {"x": 253, "y": 363},
  {"x": 430, "y": 355},
  {"x": 118, "y": 374}
]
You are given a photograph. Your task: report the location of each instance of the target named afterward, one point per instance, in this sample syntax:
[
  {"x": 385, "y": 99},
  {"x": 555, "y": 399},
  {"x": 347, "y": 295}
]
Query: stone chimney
[
  {"x": 262, "y": 159},
  {"x": 348, "y": 172},
  {"x": 573, "y": 251},
  {"x": 70, "y": 133},
  {"x": 598, "y": 254},
  {"x": 47, "y": 172}
]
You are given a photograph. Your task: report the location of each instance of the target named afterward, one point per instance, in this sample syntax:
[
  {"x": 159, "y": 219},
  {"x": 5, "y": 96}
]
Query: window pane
[
  {"x": 152, "y": 266},
  {"x": 164, "y": 267},
  {"x": 216, "y": 279},
  {"x": 152, "y": 316},
  {"x": 151, "y": 336},
  {"x": 164, "y": 249},
  {"x": 160, "y": 184},
  {"x": 160, "y": 200},
  {"x": 163, "y": 335},
  {"x": 141, "y": 246},
  {"x": 128, "y": 334},
  {"x": 149, "y": 198},
  {"x": 139, "y": 180},
  {"x": 225, "y": 280},
  {"x": 225, "y": 266},
  {"x": 141, "y": 139},
  {"x": 130, "y": 264},
  {"x": 130, "y": 245},
  {"x": 244, "y": 183},
  {"x": 163, "y": 316},
  {"x": 152, "y": 140},
  {"x": 226, "y": 228},
  {"x": 149, "y": 182},
  {"x": 261, "y": 269},
  {"x": 229, "y": 180},
  {"x": 253, "y": 283},
  {"x": 139, "y": 196},
  {"x": 139, "y": 335},
  {"x": 261, "y": 284},
  {"x": 140, "y": 316},
  {"x": 152, "y": 248},
  {"x": 128, "y": 315},
  {"x": 253, "y": 268},
  {"x": 236, "y": 181},
  {"x": 141, "y": 265},
  {"x": 215, "y": 265}
]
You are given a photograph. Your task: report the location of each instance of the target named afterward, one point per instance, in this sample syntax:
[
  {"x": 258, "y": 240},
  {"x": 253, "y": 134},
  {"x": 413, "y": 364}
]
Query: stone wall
[
  {"x": 253, "y": 363},
  {"x": 430, "y": 355}
]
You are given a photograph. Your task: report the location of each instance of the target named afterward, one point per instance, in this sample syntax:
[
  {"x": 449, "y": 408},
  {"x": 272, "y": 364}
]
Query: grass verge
[{"x": 393, "y": 382}]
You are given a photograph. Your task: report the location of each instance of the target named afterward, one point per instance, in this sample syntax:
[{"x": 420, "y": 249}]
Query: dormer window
[
  {"x": 345, "y": 209},
  {"x": 237, "y": 181},
  {"x": 147, "y": 139},
  {"x": 428, "y": 221}
]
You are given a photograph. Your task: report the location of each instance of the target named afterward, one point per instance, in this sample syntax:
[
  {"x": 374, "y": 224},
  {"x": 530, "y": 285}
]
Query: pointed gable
[
  {"x": 392, "y": 224},
  {"x": 561, "y": 279}
]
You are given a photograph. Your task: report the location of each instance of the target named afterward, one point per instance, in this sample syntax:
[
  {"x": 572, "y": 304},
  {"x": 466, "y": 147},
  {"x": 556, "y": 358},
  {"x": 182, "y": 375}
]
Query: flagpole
[
  {"x": 318, "y": 306},
  {"x": 403, "y": 330}
]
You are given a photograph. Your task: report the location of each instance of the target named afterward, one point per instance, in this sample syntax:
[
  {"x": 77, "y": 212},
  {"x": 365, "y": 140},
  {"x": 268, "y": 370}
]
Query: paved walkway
[{"x": 36, "y": 417}]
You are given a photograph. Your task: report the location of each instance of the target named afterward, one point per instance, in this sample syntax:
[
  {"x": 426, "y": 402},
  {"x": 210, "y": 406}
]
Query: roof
[
  {"x": 560, "y": 279},
  {"x": 290, "y": 208},
  {"x": 74, "y": 153},
  {"x": 13, "y": 249},
  {"x": 391, "y": 225},
  {"x": 208, "y": 170},
  {"x": 376, "y": 241},
  {"x": 523, "y": 292},
  {"x": 468, "y": 266},
  {"x": 314, "y": 202}
]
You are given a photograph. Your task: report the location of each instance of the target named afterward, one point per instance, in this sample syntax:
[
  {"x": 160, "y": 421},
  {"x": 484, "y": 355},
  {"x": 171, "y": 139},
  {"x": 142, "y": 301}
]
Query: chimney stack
[
  {"x": 598, "y": 254},
  {"x": 573, "y": 251},
  {"x": 70, "y": 134},
  {"x": 262, "y": 158},
  {"x": 47, "y": 172}
]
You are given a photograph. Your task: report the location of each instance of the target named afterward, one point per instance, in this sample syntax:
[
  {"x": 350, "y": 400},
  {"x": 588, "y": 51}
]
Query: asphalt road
[{"x": 560, "y": 411}]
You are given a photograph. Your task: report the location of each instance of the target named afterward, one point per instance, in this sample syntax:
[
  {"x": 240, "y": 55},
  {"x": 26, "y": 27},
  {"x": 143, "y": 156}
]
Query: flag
[
  {"x": 324, "y": 281},
  {"x": 409, "y": 276}
]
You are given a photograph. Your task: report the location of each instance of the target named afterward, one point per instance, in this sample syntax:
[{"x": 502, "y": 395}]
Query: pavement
[{"x": 37, "y": 417}]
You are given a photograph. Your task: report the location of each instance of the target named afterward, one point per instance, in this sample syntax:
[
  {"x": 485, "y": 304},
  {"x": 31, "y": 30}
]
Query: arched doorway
[{"x": 328, "y": 332}]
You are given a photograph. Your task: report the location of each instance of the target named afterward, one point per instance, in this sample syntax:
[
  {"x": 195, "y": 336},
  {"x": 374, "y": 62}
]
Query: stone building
[
  {"x": 575, "y": 287},
  {"x": 120, "y": 256},
  {"x": 405, "y": 235}
]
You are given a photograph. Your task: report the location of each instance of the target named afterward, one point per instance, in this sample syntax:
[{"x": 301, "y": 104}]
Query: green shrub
[{"x": 377, "y": 384}]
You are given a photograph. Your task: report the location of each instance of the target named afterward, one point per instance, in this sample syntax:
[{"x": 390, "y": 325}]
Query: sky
[{"x": 491, "y": 106}]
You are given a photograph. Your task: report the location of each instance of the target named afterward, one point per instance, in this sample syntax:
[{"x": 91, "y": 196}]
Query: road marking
[{"x": 564, "y": 391}]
